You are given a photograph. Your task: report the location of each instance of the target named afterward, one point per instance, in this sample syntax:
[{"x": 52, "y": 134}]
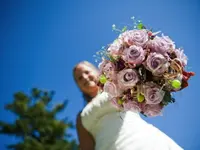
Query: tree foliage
[{"x": 36, "y": 124}]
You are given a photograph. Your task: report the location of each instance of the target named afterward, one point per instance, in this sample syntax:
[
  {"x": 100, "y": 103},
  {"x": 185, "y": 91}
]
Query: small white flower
[{"x": 114, "y": 26}]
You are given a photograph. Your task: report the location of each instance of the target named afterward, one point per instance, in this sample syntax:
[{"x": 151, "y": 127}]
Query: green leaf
[
  {"x": 124, "y": 28},
  {"x": 112, "y": 58},
  {"x": 167, "y": 98}
]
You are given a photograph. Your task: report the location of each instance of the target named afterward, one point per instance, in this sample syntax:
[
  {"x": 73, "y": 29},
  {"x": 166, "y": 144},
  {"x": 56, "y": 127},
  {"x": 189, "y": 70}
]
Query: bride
[{"x": 101, "y": 126}]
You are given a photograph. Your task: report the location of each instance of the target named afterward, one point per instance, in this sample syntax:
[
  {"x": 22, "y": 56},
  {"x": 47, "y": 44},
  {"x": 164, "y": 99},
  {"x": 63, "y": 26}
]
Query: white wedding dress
[{"x": 114, "y": 130}]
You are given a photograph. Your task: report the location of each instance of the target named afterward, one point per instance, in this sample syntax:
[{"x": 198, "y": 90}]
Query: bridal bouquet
[{"x": 141, "y": 69}]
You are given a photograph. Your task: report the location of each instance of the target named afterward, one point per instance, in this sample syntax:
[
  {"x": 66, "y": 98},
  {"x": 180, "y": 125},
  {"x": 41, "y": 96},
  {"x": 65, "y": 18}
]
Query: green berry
[
  {"x": 103, "y": 79},
  {"x": 140, "y": 98},
  {"x": 140, "y": 26},
  {"x": 176, "y": 84},
  {"x": 119, "y": 101}
]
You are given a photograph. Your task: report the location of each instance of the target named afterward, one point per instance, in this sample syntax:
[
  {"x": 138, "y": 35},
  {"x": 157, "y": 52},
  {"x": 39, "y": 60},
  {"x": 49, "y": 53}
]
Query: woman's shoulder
[{"x": 96, "y": 103}]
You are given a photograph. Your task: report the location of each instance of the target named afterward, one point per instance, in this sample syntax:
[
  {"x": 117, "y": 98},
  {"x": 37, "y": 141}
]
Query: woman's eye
[
  {"x": 86, "y": 72},
  {"x": 80, "y": 78}
]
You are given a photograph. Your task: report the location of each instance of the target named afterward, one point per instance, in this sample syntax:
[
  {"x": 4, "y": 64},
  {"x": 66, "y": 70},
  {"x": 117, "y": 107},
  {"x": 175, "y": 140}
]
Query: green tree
[{"x": 36, "y": 124}]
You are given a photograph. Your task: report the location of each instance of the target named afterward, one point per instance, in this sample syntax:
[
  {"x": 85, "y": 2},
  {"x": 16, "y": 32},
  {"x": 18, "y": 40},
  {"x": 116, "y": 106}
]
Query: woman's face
[{"x": 86, "y": 78}]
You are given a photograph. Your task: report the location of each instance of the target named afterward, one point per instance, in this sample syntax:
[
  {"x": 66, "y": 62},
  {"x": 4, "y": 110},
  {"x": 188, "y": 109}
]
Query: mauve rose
[
  {"x": 153, "y": 93},
  {"x": 116, "y": 47},
  {"x": 134, "y": 54},
  {"x": 108, "y": 68},
  {"x": 135, "y": 37},
  {"x": 169, "y": 41},
  {"x": 156, "y": 63},
  {"x": 127, "y": 78},
  {"x": 181, "y": 56},
  {"x": 132, "y": 106},
  {"x": 111, "y": 89},
  {"x": 152, "y": 110},
  {"x": 161, "y": 44}
]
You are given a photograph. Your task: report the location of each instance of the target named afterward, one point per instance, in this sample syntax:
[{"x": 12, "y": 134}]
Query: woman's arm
[{"x": 85, "y": 138}]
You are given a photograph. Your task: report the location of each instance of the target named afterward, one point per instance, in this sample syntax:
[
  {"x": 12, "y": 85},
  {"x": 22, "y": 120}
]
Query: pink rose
[
  {"x": 134, "y": 54},
  {"x": 156, "y": 63},
  {"x": 181, "y": 57},
  {"x": 161, "y": 44},
  {"x": 135, "y": 37},
  {"x": 152, "y": 110},
  {"x": 108, "y": 68},
  {"x": 169, "y": 41},
  {"x": 153, "y": 93},
  {"x": 127, "y": 78},
  {"x": 132, "y": 106},
  {"x": 111, "y": 89},
  {"x": 116, "y": 47}
]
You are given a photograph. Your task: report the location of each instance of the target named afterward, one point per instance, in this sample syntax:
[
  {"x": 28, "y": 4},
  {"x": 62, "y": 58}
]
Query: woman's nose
[
  {"x": 91, "y": 77},
  {"x": 85, "y": 76}
]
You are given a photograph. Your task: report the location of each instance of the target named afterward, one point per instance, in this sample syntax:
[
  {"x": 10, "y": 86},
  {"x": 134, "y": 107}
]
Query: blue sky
[{"x": 42, "y": 40}]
